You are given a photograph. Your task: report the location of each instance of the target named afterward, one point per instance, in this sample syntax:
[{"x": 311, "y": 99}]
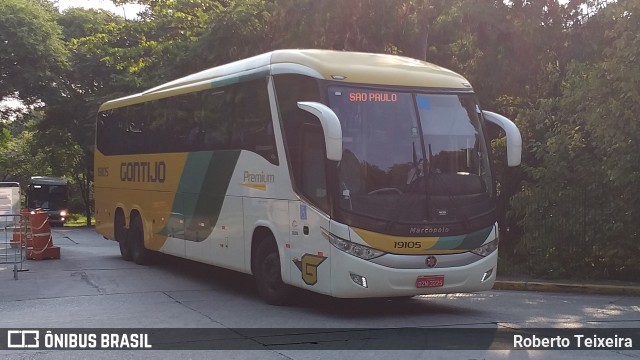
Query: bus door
[
  {"x": 308, "y": 220},
  {"x": 309, "y": 248}
]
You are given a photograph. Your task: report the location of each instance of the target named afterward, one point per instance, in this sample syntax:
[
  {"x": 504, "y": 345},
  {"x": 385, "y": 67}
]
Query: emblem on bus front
[{"x": 431, "y": 261}]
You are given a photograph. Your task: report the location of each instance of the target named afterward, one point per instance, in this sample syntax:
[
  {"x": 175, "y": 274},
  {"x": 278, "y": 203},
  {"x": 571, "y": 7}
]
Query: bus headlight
[
  {"x": 361, "y": 251},
  {"x": 486, "y": 249}
]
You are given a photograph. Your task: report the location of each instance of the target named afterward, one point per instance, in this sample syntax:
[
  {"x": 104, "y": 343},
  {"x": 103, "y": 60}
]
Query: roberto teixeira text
[{"x": 575, "y": 341}]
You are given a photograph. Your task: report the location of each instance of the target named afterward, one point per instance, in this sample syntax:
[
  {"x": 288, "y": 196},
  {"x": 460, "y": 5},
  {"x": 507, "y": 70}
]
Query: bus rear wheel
[
  {"x": 268, "y": 274},
  {"x": 139, "y": 253},
  {"x": 120, "y": 232}
]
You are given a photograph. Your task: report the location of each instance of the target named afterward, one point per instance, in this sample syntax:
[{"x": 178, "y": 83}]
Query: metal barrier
[{"x": 15, "y": 234}]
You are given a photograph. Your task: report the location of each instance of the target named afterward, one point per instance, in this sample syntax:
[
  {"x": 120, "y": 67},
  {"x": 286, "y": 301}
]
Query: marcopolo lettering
[
  {"x": 143, "y": 171},
  {"x": 429, "y": 230}
]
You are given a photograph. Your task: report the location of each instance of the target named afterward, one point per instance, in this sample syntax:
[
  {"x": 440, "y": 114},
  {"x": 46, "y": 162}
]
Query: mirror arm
[
  {"x": 514, "y": 139},
  {"x": 330, "y": 127}
]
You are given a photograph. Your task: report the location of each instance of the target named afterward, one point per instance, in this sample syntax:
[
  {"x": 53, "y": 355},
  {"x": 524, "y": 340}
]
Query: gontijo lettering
[{"x": 143, "y": 171}]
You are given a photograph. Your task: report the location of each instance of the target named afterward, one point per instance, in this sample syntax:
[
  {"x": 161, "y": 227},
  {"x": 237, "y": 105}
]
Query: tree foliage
[
  {"x": 566, "y": 71},
  {"x": 587, "y": 162},
  {"x": 33, "y": 53}
]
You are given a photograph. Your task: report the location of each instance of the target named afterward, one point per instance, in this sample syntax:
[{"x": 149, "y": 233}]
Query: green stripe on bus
[
  {"x": 202, "y": 190},
  {"x": 238, "y": 79},
  {"x": 463, "y": 242}
]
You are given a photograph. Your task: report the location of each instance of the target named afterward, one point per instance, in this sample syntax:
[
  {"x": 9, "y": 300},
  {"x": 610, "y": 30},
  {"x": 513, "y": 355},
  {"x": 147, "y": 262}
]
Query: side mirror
[
  {"x": 514, "y": 139},
  {"x": 330, "y": 127}
]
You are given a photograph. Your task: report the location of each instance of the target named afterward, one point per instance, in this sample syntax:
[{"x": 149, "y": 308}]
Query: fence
[
  {"x": 583, "y": 234},
  {"x": 14, "y": 233}
]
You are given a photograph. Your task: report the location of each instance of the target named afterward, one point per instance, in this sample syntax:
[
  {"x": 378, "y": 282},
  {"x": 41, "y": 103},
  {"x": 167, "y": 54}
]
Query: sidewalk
[{"x": 609, "y": 288}]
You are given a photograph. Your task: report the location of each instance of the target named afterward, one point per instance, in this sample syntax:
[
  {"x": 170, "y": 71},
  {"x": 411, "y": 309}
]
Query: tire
[
  {"x": 139, "y": 253},
  {"x": 120, "y": 232},
  {"x": 268, "y": 275}
]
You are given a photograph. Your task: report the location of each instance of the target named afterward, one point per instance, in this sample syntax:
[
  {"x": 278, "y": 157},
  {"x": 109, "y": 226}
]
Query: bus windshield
[
  {"x": 411, "y": 157},
  {"x": 48, "y": 197}
]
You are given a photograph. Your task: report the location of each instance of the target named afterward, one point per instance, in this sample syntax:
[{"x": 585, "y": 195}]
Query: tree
[
  {"x": 33, "y": 53},
  {"x": 579, "y": 195},
  {"x": 386, "y": 26},
  {"x": 238, "y": 29},
  {"x": 21, "y": 156},
  {"x": 96, "y": 41}
]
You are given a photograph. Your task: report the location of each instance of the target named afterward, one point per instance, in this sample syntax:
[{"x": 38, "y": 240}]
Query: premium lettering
[{"x": 261, "y": 178}]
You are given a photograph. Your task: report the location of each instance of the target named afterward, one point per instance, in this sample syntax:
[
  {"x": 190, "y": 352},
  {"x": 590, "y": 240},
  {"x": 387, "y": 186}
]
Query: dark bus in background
[{"x": 50, "y": 194}]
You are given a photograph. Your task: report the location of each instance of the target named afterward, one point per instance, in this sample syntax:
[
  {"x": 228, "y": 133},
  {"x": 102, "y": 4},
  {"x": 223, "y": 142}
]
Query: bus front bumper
[{"x": 348, "y": 272}]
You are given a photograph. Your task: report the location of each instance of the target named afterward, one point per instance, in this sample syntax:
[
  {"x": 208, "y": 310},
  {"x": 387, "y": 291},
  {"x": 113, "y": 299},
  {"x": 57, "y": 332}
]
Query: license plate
[{"x": 430, "y": 281}]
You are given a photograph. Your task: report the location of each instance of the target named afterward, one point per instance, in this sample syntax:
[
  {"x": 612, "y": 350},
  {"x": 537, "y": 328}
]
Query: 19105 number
[{"x": 407, "y": 244}]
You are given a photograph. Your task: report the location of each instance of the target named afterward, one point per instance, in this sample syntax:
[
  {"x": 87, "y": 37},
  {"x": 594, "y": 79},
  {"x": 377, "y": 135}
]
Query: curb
[{"x": 568, "y": 287}]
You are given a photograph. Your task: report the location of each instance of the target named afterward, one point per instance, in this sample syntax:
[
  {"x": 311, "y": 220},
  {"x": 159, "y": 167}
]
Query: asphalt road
[{"x": 92, "y": 287}]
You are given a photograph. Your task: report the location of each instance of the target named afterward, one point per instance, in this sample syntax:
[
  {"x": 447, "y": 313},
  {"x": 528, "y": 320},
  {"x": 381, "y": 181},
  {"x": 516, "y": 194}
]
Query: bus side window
[
  {"x": 158, "y": 134},
  {"x": 303, "y": 137},
  {"x": 135, "y": 138},
  {"x": 215, "y": 118},
  {"x": 105, "y": 129},
  {"x": 183, "y": 120},
  {"x": 111, "y": 125},
  {"x": 252, "y": 122},
  {"x": 313, "y": 179}
]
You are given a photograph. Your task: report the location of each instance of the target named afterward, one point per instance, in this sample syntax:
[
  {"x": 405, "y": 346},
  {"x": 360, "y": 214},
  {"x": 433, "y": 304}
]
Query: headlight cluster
[
  {"x": 361, "y": 251},
  {"x": 487, "y": 248}
]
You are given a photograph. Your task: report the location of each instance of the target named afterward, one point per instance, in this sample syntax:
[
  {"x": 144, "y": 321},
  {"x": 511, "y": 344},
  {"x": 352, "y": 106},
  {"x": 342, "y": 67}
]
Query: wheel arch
[
  {"x": 136, "y": 213},
  {"x": 118, "y": 214},
  {"x": 260, "y": 233},
  {"x": 119, "y": 211}
]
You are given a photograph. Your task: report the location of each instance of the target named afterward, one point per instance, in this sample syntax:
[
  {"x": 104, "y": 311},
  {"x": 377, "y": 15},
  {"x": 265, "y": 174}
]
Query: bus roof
[
  {"x": 9, "y": 184},
  {"x": 48, "y": 180},
  {"x": 343, "y": 66}
]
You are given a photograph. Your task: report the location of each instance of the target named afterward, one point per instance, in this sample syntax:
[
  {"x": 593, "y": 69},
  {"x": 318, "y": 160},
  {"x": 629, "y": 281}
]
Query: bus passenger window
[
  {"x": 314, "y": 183},
  {"x": 252, "y": 123}
]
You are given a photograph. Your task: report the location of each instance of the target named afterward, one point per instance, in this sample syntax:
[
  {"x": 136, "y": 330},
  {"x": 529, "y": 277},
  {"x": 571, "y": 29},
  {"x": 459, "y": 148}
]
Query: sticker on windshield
[{"x": 424, "y": 103}]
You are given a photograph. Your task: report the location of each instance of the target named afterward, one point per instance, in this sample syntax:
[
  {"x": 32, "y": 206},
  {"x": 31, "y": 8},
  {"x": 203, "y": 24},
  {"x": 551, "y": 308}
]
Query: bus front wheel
[{"x": 268, "y": 275}]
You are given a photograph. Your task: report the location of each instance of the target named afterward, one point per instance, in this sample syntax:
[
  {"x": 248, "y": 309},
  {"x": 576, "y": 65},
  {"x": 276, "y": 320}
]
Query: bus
[
  {"x": 51, "y": 194},
  {"x": 9, "y": 203},
  {"x": 349, "y": 174}
]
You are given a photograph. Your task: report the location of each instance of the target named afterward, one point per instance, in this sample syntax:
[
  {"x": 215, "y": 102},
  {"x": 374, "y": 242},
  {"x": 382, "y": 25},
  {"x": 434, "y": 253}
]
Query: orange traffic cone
[{"x": 42, "y": 242}]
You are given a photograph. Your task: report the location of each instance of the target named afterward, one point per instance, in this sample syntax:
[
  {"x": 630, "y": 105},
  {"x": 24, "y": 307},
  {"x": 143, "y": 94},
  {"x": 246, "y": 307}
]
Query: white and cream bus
[{"x": 348, "y": 174}]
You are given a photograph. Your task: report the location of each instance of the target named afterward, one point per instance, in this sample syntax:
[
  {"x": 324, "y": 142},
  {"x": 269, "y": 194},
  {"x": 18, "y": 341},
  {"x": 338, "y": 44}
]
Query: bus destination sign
[{"x": 371, "y": 96}]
